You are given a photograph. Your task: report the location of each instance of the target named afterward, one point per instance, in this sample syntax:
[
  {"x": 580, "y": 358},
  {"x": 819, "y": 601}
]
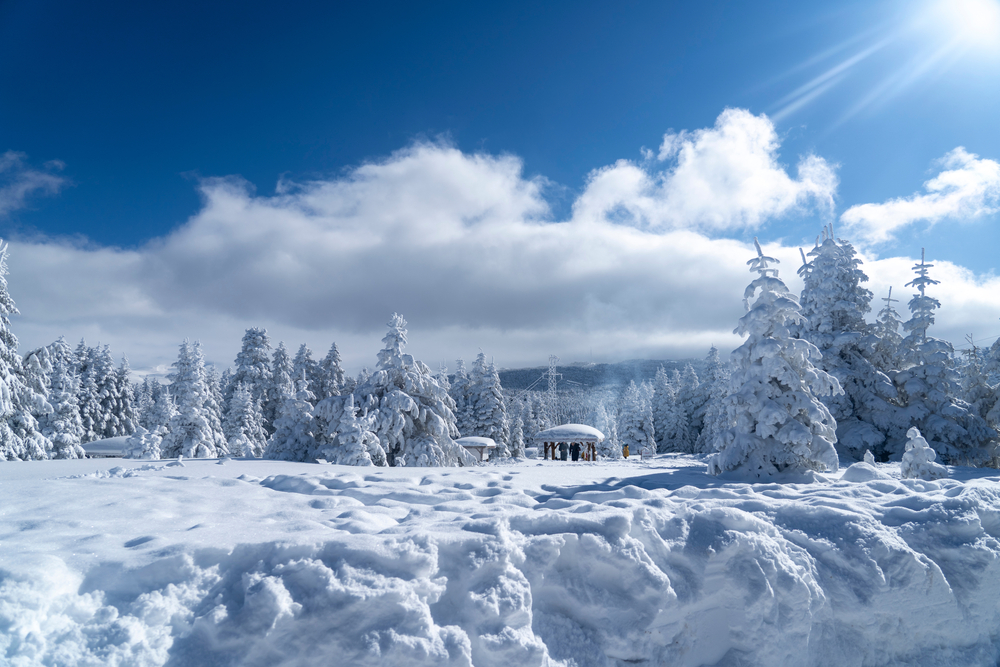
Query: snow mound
[{"x": 863, "y": 472}]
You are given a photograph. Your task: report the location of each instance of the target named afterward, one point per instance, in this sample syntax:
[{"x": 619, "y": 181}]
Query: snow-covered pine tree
[
  {"x": 243, "y": 426},
  {"x": 355, "y": 444},
  {"x": 415, "y": 421},
  {"x": 215, "y": 401},
  {"x": 663, "y": 399},
  {"x": 88, "y": 396},
  {"x": 888, "y": 343},
  {"x": 144, "y": 399},
  {"x": 294, "y": 437},
  {"x": 62, "y": 426},
  {"x": 162, "y": 413},
  {"x": 928, "y": 386},
  {"x": 780, "y": 426},
  {"x": 128, "y": 412},
  {"x": 834, "y": 303},
  {"x": 516, "y": 434},
  {"x": 19, "y": 436},
  {"x": 636, "y": 421},
  {"x": 195, "y": 431},
  {"x": 604, "y": 420},
  {"x": 109, "y": 400},
  {"x": 716, "y": 418},
  {"x": 252, "y": 367},
  {"x": 689, "y": 399},
  {"x": 461, "y": 392},
  {"x": 488, "y": 410},
  {"x": 280, "y": 389},
  {"x": 676, "y": 435},
  {"x": 304, "y": 364},
  {"x": 333, "y": 380},
  {"x": 980, "y": 396},
  {"x": 142, "y": 445}
]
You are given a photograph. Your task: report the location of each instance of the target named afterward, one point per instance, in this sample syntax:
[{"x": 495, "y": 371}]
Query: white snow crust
[{"x": 256, "y": 562}]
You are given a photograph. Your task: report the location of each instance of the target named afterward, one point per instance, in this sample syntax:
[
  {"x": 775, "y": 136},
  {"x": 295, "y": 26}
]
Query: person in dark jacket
[
  {"x": 563, "y": 450},
  {"x": 574, "y": 450}
]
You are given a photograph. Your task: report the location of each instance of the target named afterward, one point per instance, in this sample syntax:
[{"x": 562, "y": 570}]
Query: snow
[
  {"x": 107, "y": 447},
  {"x": 476, "y": 441},
  {"x": 570, "y": 433},
  {"x": 254, "y": 562}
]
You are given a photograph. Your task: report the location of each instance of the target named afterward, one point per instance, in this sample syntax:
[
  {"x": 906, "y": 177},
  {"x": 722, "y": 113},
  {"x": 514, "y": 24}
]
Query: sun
[{"x": 975, "y": 23}]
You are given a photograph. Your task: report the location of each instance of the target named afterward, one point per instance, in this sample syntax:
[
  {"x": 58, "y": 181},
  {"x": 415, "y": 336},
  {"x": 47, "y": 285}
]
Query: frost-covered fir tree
[
  {"x": 142, "y": 445},
  {"x": 689, "y": 398},
  {"x": 976, "y": 391},
  {"x": 215, "y": 400},
  {"x": 63, "y": 426},
  {"x": 517, "y": 435},
  {"x": 128, "y": 413},
  {"x": 19, "y": 403},
  {"x": 304, "y": 365},
  {"x": 636, "y": 421},
  {"x": 834, "y": 303},
  {"x": 888, "y": 343},
  {"x": 109, "y": 398},
  {"x": 280, "y": 389},
  {"x": 162, "y": 413},
  {"x": 460, "y": 391},
  {"x": 252, "y": 367},
  {"x": 415, "y": 421},
  {"x": 676, "y": 434},
  {"x": 294, "y": 437},
  {"x": 356, "y": 444},
  {"x": 145, "y": 398},
  {"x": 715, "y": 419},
  {"x": 487, "y": 408},
  {"x": 88, "y": 396},
  {"x": 244, "y": 425},
  {"x": 780, "y": 425},
  {"x": 928, "y": 386},
  {"x": 333, "y": 380},
  {"x": 195, "y": 431},
  {"x": 604, "y": 420}
]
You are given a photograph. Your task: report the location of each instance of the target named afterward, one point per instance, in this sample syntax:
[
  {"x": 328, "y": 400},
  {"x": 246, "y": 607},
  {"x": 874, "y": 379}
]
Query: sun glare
[{"x": 973, "y": 22}]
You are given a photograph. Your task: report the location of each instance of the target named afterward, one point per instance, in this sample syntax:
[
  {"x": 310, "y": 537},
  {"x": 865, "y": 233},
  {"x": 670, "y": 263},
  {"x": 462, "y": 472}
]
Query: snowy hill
[
  {"x": 596, "y": 375},
  {"x": 108, "y": 562}
]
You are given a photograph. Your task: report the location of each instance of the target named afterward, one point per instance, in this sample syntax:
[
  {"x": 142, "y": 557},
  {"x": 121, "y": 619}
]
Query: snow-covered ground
[{"x": 107, "y": 562}]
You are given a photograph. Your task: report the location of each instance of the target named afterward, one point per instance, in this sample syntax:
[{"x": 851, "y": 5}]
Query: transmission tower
[{"x": 552, "y": 396}]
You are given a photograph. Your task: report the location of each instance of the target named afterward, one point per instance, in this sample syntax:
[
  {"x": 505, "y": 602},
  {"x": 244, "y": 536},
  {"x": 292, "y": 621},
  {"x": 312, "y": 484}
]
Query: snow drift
[{"x": 618, "y": 564}]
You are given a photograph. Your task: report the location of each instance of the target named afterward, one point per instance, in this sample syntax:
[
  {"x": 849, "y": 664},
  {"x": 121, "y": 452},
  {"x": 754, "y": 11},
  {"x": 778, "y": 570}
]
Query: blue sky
[{"x": 134, "y": 107}]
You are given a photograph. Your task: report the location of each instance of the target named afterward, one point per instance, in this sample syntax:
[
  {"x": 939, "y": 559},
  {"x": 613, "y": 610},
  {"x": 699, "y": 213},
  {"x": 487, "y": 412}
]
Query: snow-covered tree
[
  {"x": 19, "y": 436},
  {"x": 294, "y": 437},
  {"x": 244, "y": 425},
  {"x": 928, "y": 386},
  {"x": 128, "y": 413},
  {"x": 63, "y": 426},
  {"x": 252, "y": 367},
  {"x": 604, "y": 420},
  {"x": 162, "y": 413},
  {"x": 780, "y": 425},
  {"x": 304, "y": 365},
  {"x": 976, "y": 391},
  {"x": 486, "y": 407},
  {"x": 355, "y": 444},
  {"x": 715, "y": 419},
  {"x": 195, "y": 431},
  {"x": 888, "y": 343},
  {"x": 517, "y": 435},
  {"x": 461, "y": 392},
  {"x": 333, "y": 380},
  {"x": 415, "y": 421},
  {"x": 142, "y": 445},
  {"x": 636, "y": 421},
  {"x": 280, "y": 389},
  {"x": 834, "y": 303},
  {"x": 676, "y": 434},
  {"x": 918, "y": 459},
  {"x": 690, "y": 400}
]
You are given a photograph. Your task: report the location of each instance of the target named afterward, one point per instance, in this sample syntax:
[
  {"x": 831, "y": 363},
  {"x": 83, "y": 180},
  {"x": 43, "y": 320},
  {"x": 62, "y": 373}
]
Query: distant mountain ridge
[{"x": 589, "y": 375}]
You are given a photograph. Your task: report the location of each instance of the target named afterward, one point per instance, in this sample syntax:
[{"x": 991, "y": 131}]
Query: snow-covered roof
[
  {"x": 475, "y": 441},
  {"x": 570, "y": 433},
  {"x": 106, "y": 447}
]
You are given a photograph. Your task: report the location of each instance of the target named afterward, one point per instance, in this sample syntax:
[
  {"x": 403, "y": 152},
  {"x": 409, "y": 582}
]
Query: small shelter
[
  {"x": 585, "y": 436},
  {"x": 478, "y": 447},
  {"x": 108, "y": 448}
]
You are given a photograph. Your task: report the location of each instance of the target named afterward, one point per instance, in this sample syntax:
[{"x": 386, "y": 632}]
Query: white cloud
[
  {"x": 18, "y": 181},
  {"x": 967, "y": 188},
  {"x": 462, "y": 245},
  {"x": 720, "y": 178}
]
